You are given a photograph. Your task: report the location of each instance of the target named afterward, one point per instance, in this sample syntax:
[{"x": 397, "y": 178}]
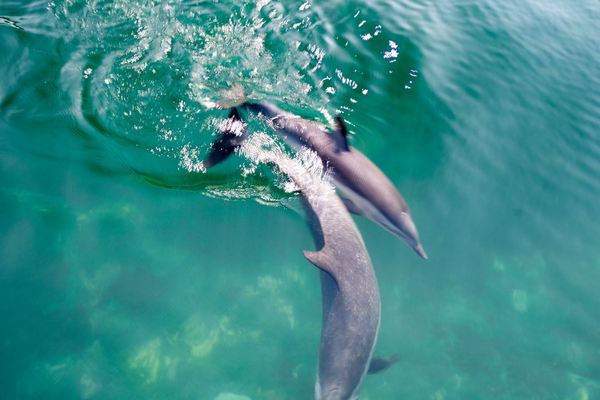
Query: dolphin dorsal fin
[
  {"x": 321, "y": 260},
  {"x": 340, "y": 135}
]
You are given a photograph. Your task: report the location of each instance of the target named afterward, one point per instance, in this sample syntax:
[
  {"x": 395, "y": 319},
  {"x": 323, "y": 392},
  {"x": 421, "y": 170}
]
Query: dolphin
[
  {"x": 351, "y": 301},
  {"x": 350, "y": 294},
  {"x": 366, "y": 189}
]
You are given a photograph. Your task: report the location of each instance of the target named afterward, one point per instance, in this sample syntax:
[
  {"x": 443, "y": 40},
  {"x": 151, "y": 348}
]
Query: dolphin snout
[
  {"x": 407, "y": 230},
  {"x": 420, "y": 251}
]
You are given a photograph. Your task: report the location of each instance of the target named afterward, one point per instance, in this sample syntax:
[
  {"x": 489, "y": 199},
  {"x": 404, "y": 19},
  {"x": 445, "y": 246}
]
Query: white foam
[{"x": 305, "y": 169}]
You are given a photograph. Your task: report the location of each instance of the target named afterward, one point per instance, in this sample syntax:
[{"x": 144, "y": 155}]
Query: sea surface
[{"x": 128, "y": 271}]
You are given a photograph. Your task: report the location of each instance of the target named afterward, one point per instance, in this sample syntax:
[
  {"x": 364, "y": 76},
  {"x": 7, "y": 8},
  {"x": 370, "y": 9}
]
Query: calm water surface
[{"x": 126, "y": 271}]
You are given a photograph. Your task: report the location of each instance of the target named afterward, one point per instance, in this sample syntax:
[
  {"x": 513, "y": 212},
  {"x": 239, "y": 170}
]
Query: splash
[
  {"x": 149, "y": 75},
  {"x": 305, "y": 169}
]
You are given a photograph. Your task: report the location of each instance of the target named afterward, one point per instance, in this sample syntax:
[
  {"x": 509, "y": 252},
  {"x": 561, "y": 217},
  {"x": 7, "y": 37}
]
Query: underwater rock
[
  {"x": 146, "y": 361},
  {"x": 519, "y": 300}
]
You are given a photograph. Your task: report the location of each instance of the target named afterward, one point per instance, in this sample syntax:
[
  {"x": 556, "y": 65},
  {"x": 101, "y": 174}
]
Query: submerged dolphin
[
  {"x": 366, "y": 189},
  {"x": 351, "y": 302}
]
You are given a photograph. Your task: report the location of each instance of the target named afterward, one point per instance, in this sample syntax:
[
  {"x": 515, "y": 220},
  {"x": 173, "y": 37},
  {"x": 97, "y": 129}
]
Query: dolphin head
[
  {"x": 387, "y": 208},
  {"x": 402, "y": 225}
]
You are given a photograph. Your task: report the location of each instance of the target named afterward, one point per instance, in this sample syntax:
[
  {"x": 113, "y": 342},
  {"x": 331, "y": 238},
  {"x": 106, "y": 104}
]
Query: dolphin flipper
[
  {"x": 232, "y": 136},
  {"x": 351, "y": 207}
]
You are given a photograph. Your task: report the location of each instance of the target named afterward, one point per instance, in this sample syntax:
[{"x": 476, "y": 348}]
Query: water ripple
[{"x": 147, "y": 75}]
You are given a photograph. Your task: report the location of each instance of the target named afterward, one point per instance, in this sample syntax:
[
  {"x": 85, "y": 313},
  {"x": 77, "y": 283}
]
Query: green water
[{"x": 126, "y": 272}]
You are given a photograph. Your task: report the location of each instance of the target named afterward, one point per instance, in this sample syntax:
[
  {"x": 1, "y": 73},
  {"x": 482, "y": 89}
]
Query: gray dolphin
[
  {"x": 366, "y": 189},
  {"x": 351, "y": 301}
]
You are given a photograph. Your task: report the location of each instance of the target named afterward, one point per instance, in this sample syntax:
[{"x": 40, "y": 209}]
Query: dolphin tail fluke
[{"x": 233, "y": 133}]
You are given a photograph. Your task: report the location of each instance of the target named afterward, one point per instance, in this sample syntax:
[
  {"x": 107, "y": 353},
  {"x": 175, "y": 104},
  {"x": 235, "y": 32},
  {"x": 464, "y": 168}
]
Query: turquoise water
[{"x": 128, "y": 272}]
